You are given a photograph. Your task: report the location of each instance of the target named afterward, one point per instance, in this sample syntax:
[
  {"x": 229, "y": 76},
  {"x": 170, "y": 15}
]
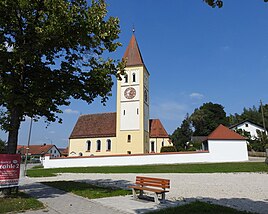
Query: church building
[{"x": 128, "y": 130}]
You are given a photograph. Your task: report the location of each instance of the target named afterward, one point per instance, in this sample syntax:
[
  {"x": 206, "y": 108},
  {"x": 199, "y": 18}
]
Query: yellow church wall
[
  {"x": 134, "y": 146},
  {"x": 158, "y": 144},
  {"x": 77, "y": 146}
]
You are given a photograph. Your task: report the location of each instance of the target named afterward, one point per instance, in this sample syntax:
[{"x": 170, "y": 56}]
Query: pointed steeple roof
[
  {"x": 223, "y": 133},
  {"x": 133, "y": 54}
]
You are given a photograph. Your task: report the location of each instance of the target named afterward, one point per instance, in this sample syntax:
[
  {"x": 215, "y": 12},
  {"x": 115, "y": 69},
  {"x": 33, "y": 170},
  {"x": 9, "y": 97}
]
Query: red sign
[{"x": 9, "y": 170}]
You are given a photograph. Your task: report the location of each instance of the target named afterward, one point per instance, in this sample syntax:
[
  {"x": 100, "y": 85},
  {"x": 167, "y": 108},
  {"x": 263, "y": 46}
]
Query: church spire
[{"x": 132, "y": 54}]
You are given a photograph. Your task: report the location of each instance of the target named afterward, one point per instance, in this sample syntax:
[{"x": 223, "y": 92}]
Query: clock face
[{"x": 130, "y": 93}]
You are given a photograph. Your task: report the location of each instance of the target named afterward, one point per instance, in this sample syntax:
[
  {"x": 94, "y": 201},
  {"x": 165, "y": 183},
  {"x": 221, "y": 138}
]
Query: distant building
[
  {"x": 249, "y": 127},
  {"x": 64, "y": 151},
  {"x": 37, "y": 151},
  {"x": 128, "y": 130}
]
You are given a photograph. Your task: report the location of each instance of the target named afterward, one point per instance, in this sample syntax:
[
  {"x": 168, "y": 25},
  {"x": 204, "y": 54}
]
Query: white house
[{"x": 250, "y": 127}]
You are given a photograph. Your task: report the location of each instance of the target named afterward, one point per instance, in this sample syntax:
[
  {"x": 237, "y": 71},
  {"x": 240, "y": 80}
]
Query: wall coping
[{"x": 131, "y": 155}]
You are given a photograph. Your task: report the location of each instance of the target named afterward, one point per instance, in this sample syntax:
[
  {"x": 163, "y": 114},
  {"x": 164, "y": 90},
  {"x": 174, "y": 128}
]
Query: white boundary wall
[{"x": 219, "y": 151}]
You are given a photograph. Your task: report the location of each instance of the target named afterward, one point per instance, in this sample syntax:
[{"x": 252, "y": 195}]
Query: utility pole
[
  {"x": 262, "y": 113},
  {"x": 28, "y": 144}
]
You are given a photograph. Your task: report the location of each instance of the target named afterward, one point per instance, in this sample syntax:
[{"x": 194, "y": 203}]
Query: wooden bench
[{"x": 155, "y": 185}]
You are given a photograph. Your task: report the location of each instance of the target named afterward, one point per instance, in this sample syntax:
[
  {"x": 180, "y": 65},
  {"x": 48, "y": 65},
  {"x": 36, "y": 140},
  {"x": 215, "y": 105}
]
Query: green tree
[
  {"x": 206, "y": 118},
  {"x": 2, "y": 146},
  {"x": 253, "y": 114},
  {"x": 182, "y": 134},
  {"x": 50, "y": 52},
  {"x": 261, "y": 143}
]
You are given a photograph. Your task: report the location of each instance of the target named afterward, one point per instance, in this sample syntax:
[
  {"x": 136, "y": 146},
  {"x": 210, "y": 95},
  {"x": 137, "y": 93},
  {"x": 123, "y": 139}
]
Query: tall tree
[
  {"x": 182, "y": 134},
  {"x": 254, "y": 114},
  {"x": 206, "y": 118},
  {"x": 51, "y": 51}
]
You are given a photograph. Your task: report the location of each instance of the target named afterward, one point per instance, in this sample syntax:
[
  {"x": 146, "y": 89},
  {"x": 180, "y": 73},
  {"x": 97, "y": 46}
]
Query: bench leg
[
  {"x": 163, "y": 197},
  {"x": 141, "y": 193},
  {"x": 156, "y": 198},
  {"x": 134, "y": 193}
]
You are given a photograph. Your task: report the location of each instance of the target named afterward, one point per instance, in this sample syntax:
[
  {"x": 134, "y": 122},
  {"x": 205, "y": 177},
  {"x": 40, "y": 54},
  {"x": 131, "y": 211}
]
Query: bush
[
  {"x": 191, "y": 149},
  {"x": 168, "y": 149},
  {"x": 257, "y": 145}
]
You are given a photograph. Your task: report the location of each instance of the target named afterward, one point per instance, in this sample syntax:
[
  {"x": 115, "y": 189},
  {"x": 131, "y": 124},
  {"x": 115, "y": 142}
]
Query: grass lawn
[
  {"x": 199, "y": 207},
  {"x": 20, "y": 202},
  {"x": 87, "y": 190},
  {"x": 175, "y": 168}
]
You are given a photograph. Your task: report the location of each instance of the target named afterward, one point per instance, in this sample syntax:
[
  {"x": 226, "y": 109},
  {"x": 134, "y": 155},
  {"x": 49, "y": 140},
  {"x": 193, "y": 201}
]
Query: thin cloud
[
  {"x": 168, "y": 111},
  {"x": 70, "y": 111},
  {"x": 196, "y": 95},
  {"x": 225, "y": 48}
]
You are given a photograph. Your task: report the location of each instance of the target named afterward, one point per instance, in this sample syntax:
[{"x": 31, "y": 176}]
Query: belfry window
[
  {"x": 126, "y": 78},
  {"x": 98, "y": 145},
  {"x": 129, "y": 138},
  {"x": 133, "y": 77}
]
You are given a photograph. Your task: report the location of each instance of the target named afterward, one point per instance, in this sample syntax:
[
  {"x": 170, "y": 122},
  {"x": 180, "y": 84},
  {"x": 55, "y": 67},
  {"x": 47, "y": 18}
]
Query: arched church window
[
  {"x": 126, "y": 78},
  {"x": 80, "y": 154},
  {"x": 98, "y": 145},
  {"x": 88, "y": 145},
  {"x": 129, "y": 138},
  {"x": 109, "y": 145},
  {"x": 163, "y": 143},
  {"x": 152, "y": 146},
  {"x": 133, "y": 77}
]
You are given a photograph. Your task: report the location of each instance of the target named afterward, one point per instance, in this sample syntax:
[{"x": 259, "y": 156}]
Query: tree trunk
[{"x": 13, "y": 131}]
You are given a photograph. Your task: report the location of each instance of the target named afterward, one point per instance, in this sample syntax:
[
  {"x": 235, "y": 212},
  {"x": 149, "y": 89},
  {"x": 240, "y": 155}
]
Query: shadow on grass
[
  {"x": 41, "y": 190},
  {"x": 240, "y": 206}
]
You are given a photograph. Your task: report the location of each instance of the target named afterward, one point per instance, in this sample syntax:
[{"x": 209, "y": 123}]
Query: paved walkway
[
  {"x": 245, "y": 191},
  {"x": 57, "y": 201}
]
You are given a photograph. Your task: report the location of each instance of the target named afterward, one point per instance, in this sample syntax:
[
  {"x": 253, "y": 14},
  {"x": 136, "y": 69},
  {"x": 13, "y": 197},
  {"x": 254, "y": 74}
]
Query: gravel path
[{"x": 244, "y": 191}]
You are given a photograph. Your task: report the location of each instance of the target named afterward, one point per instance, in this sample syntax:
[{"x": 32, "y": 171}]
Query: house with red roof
[
  {"x": 129, "y": 130},
  {"x": 38, "y": 151},
  {"x": 224, "y": 144}
]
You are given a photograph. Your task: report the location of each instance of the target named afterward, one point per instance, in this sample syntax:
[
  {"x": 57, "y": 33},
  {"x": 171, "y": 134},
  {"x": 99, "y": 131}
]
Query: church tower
[{"x": 132, "y": 109}]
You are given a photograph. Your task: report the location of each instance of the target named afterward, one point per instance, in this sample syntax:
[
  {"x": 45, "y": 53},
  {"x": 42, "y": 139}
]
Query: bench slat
[{"x": 156, "y": 182}]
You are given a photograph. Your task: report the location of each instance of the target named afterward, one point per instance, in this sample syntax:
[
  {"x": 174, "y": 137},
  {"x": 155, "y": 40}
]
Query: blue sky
[{"x": 195, "y": 54}]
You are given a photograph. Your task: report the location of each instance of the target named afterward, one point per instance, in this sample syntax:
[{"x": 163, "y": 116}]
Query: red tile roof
[
  {"x": 133, "y": 54},
  {"x": 95, "y": 125},
  {"x": 34, "y": 149},
  {"x": 104, "y": 125},
  {"x": 223, "y": 133},
  {"x": 156, "y": 129}
]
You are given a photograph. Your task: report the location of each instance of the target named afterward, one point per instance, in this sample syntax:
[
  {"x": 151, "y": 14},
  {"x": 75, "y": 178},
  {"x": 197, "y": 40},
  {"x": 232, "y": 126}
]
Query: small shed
[{"x": 226, "y": 145}]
